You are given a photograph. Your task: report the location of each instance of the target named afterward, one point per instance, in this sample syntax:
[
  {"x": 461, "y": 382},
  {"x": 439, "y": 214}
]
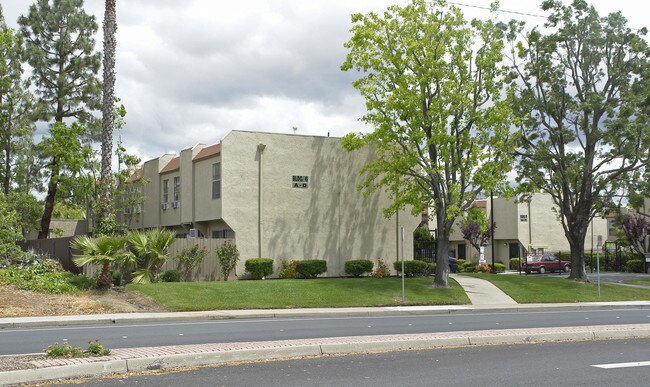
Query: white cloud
[{"x": 190, "y": 71}]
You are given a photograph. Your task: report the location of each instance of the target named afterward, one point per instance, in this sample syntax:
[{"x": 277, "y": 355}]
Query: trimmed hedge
[
  {"x": 499, "y": 267},
  {"x": 514, "y": 263},
  {"x": 259, "y": 267},
  {"x": 311, "y": 268},
  {"x": 413, "y": 268},
  {"x": 357, "y": 267},
  {"x": 466, "y": 266},
  {"x": 633, "y": 266},
  {"x": 171, "y": 276}
]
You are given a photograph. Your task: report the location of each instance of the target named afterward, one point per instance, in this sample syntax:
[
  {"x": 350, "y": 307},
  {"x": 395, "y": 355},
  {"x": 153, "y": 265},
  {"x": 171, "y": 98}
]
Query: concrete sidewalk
[
  {"x": 484, "y": 296},
  {"x": 482, "y": 292}
]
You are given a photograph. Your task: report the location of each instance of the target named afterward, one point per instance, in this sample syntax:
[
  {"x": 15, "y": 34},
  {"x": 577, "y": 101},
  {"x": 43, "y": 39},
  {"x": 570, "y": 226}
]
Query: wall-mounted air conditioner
[
  {"x": 165, "y": 206},
  {"x": 176, "y": 204}
]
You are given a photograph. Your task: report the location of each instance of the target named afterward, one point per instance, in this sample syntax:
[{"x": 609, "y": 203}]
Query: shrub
[
  {"x": 288, "y": 269},
  {"x": 514, "y": 263},
  {"x": 633, "y": 266},
  {"x": 311, "y": 268},
  {"x": 466, "y": 267},
  {"x": 116, "y": 278},
  {"x": 499, "y": 267},
  {"x": 40, "y": 279},
  {"x": 412, "y": 268},
  {"x": 171, "y": 276},
  {"x": 357, "y": 267},
  {"x": 431, "y": 268},
  {"x": 381, "y": 271},
  {"x": 228, "y": 256},
  {"x": 67, "y": 350},
  {"x": 96, "y": 349},
  {"x": 189, "y": 258},
  {"x": 259, "y": 267}
]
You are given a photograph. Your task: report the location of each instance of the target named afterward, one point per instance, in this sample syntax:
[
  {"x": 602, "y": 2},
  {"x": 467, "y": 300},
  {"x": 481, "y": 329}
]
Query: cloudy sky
[{"x": 190, "y": 71}]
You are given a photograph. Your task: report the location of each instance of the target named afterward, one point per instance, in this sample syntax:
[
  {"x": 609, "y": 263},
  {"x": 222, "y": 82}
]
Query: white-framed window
[
  {"x": 523, "y": 217},
  {"x": 177, "y": 188},
  {"x": 216, "y": 181},
  {"x": 165, "y": 191}
]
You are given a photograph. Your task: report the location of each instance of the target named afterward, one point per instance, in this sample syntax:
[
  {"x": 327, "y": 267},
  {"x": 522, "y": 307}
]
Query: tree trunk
[
  {"x": 52, "y": 187},
  {"x": 105, "y": 186},
  {"x": 104, "y": 281},
  {"x": 577, "y": 244},
  {"x": 442, "y": 251}
]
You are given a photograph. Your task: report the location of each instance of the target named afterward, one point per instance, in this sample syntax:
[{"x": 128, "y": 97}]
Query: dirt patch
[{"x": 23, "y": 303}]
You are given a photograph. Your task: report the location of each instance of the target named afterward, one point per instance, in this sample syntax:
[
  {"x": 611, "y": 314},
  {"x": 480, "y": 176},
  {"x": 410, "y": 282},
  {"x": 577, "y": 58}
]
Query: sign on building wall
[{"x": 300, "y": 181}]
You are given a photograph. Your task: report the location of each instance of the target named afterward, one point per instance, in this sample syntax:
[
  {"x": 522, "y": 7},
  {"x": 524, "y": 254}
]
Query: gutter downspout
[{"x": 260, "y": 150}]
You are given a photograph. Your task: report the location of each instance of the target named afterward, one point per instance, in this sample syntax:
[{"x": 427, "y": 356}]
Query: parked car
[
  {"x": 453, "y": 264},
  {"x": 544, "y": 263}
]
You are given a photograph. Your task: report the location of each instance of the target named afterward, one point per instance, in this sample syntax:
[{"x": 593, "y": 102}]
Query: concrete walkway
[{"x": 482, "y": 292}]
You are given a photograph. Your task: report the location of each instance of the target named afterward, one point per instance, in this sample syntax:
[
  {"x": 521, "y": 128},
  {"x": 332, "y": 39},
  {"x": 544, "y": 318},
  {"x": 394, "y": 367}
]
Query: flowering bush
[
  {"x": 189, "y": 258},
  {"x": 381, "y": 270},
  {"x": 288, "y": 269}
]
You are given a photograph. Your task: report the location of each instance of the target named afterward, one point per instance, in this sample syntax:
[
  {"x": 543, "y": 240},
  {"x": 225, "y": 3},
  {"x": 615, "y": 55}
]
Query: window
[
  {"x": 611, "y": 227},
  {"x": 216, "y": 180},
  {"x": 223, "y": 234},
  {"x": 177, "y": 188},
  {"x": 165, "y": 189},
  {"x": 523, "y": 218}
]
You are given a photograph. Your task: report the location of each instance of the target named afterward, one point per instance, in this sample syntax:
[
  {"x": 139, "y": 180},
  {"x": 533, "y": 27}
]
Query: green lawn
[
  {"x": 314, "y": 293},
  {"x": 542, "y": 289},
  {"x": 640, "y": 281}
]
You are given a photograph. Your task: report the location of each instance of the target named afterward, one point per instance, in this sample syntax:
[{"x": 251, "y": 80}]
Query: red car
[{"x": 544, "y": 263}]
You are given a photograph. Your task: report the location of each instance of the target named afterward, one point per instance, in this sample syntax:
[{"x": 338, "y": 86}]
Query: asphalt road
[
  {"x": 35, "y": 340},
  {"x": 593, "y": 363}
]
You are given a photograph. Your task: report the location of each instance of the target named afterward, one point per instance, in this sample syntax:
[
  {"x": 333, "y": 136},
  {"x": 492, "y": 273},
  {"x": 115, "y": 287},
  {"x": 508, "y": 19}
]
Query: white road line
[{"x": 623, "y": 365}]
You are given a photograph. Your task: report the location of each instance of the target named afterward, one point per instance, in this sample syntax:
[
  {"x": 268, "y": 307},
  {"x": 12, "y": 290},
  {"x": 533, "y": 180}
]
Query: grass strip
[
  {"x": 299, "y": 293},
  {"x": 639, "y": 281},
  {"x": 546, "y": 289}
]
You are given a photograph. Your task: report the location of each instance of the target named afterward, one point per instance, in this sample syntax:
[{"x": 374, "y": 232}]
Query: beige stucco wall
[
  {"x": 328, "y": 220},
  {"x": 205, "y": 208},
  {"x": 543, "y": 230}
]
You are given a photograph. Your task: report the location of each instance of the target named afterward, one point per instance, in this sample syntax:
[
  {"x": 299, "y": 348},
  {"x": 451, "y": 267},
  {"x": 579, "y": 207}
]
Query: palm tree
[
  {"x": 108, "y": 101},
  {"x": 150, "y": 251},
  {"x": 104, "y": 251}
]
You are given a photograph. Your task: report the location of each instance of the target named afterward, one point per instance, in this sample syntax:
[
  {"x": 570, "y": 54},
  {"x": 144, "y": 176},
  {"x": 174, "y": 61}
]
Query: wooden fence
[
  {"x": 54, "y": 248},
  {"x": 208, "y": 270}
]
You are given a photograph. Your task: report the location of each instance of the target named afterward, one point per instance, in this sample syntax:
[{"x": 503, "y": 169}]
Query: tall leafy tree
[
  {"x": 60, "y": 49},
  {"x": 16, "y": 104},
  {"x": 106, "y": 177},
  {"x": 583, "y": 95},
  {"x": 436, "y": 96}
]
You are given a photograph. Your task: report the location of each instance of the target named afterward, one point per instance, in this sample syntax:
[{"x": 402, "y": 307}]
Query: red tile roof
[
  {"x": 480, "y": 203},
  {"x": 208, "y": 151},
  {"x": 173, "y": 165}
]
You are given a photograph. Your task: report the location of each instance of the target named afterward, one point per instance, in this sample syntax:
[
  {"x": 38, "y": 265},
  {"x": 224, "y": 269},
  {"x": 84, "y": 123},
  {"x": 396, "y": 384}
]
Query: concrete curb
[
  {"x": 154, "y": 358},
  {"x": 131, "y": 318}
]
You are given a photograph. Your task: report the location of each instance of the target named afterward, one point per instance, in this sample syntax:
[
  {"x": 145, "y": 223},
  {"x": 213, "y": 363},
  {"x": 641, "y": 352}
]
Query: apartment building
[
  {"x": 524, "y": 227},
  {"x": 281, "y": 196}
]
